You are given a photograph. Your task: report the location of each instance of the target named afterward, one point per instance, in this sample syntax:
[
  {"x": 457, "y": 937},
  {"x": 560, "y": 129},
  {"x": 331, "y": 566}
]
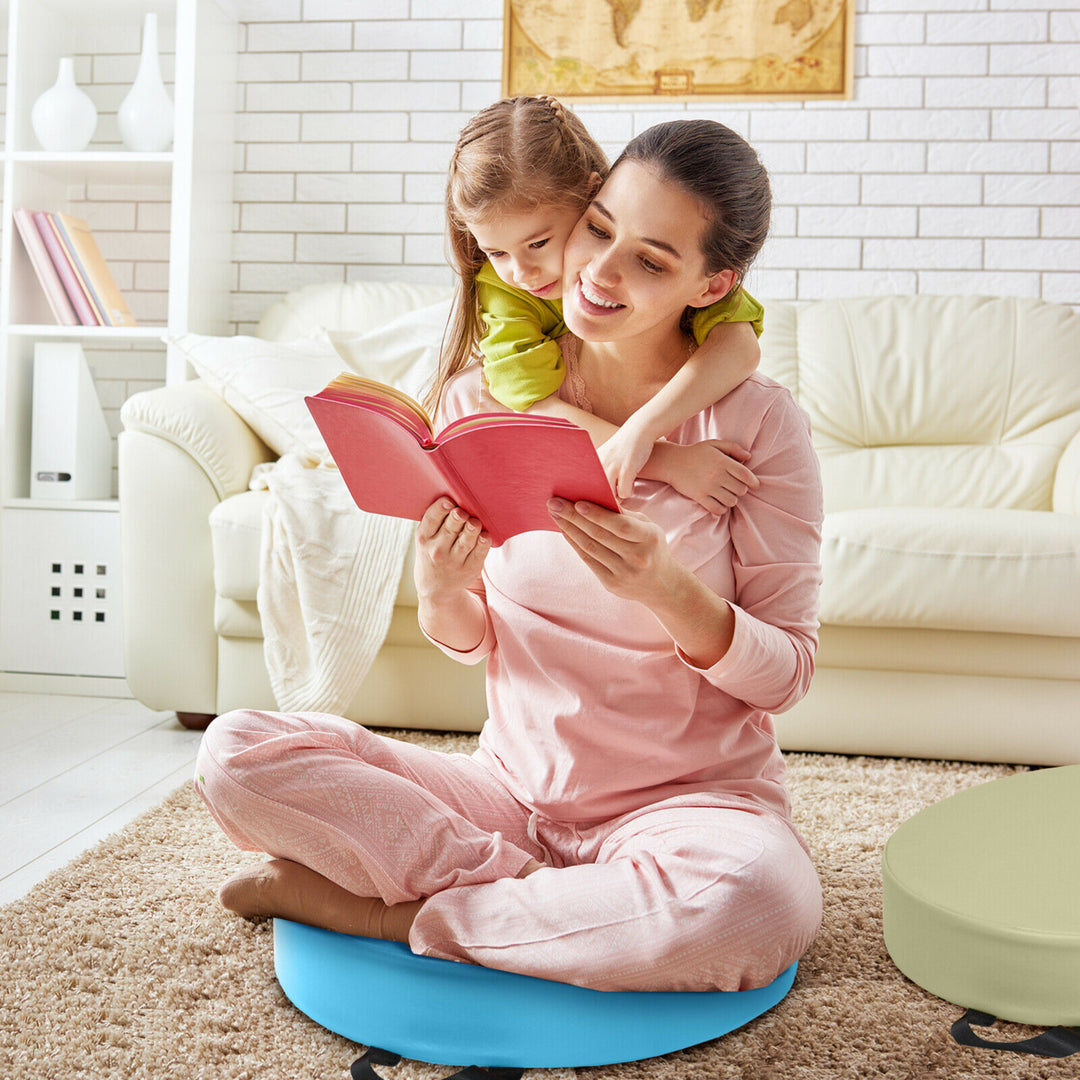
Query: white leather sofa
[{"x": 949, "y": 435}]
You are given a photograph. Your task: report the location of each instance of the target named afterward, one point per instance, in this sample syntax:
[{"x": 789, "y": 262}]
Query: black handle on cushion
[
  {"x": 363, "y": 1068},
  {"x": 1057, "y": 1042}
]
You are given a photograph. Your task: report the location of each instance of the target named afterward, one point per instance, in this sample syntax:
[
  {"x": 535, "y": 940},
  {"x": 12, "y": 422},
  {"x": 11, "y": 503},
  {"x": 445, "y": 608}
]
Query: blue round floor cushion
[{"x": 380, "y": 994}]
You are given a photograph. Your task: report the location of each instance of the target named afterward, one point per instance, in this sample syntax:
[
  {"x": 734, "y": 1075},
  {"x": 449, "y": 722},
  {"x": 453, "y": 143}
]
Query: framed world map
[{"x": 617, "y": 50}]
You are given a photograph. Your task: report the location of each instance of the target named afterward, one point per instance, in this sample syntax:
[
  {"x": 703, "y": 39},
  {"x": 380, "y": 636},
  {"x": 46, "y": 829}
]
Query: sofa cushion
[
  {"x": 354, "y": 306},
  {"x": 931, "y": 400},
  {"x": 265, "y": 382},
  {"x": 403, "y": 352},
  {"x": 237, "y": 618},
  {"x": 949, "y": 652},
  {"x": 236, "y": 540},
  {"x": 1007, "y": 571}
]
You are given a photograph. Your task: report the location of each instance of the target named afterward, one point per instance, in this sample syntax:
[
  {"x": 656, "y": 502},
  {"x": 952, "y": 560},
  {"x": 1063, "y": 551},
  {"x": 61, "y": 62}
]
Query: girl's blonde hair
[{"x": 518, "y": 154}]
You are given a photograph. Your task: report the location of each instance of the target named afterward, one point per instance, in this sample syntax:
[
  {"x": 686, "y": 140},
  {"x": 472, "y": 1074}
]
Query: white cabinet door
[{"x": 60, "y": 604}]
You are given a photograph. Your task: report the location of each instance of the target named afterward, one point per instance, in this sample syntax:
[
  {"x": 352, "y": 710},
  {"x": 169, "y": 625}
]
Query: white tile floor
[{"x": 75, "y": 769}]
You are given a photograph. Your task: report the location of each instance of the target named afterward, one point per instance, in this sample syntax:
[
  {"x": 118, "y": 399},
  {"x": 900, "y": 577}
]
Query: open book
[{"x": 500, "y": 467}]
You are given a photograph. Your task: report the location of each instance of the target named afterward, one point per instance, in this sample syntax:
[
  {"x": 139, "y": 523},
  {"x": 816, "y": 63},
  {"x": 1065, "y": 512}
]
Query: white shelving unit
[{"x": 60, "y": 606}]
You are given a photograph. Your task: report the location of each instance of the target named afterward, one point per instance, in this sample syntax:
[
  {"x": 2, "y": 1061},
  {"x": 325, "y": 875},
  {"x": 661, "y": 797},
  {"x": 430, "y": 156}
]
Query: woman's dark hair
[{"x": 720, "y": 169}]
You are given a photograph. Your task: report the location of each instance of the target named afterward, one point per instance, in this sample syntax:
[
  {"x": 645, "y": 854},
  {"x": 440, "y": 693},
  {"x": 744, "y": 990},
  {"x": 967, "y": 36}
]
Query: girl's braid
[
  {"x": 478, "y": 127},
  {"x": 568, "y": 138},
  {"x": 556, "y": 107}
]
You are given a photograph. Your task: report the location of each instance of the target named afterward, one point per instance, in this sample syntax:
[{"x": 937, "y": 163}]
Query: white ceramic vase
[
  {"x": 146, "y": 114},
  {"x": 64, "y": 118}
]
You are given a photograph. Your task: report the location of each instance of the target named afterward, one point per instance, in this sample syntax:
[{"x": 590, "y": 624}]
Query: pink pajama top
[{"x": 593, "y": 710}]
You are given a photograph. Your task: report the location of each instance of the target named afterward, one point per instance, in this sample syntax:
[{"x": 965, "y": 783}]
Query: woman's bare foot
[{"x": 288, "y": 890}]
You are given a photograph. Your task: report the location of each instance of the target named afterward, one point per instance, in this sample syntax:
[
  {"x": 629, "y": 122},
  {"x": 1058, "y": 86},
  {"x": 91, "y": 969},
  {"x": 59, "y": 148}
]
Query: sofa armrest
[
  {"x": 182, "y": 451},
  {"x": 199, "y": 422},
  {"x": 1066, "y": 497}
]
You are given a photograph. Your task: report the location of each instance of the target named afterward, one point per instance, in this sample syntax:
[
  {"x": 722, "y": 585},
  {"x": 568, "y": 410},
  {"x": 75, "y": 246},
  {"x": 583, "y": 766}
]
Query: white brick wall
[{"x": 956, "y": 168}]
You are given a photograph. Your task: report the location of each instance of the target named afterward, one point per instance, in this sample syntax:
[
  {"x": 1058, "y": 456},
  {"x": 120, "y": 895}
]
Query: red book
[
  {"x": 500, "y": 467},
  {"x": 64, "y": 268}
]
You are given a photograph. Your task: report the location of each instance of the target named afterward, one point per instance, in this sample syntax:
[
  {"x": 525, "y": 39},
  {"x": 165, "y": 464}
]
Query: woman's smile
[{"x": 594, "y": 300}]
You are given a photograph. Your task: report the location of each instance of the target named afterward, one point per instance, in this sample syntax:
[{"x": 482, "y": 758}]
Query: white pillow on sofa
[
  {"x": 265, "y": 383},
  {"x": 403, "y": 352}
]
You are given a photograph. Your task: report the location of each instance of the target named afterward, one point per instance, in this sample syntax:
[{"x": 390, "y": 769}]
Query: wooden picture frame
[{"x": 685, "y": 50}]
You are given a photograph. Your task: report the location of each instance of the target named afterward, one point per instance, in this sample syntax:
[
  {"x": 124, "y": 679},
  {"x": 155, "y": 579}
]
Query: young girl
[{"x": 523, "y": 172}]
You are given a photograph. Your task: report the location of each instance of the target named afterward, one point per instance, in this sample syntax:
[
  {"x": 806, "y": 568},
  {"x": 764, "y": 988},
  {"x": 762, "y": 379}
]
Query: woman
[{"x": 624, "y": 824}]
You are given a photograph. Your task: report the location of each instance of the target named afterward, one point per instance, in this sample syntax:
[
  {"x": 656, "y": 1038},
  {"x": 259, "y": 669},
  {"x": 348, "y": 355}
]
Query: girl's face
[
  {"x": 634, "y": 261},
  {"x": 526, "y": 246}
]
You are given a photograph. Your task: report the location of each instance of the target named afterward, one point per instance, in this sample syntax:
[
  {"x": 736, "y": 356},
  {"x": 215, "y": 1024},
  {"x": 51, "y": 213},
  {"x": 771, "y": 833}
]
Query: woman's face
[{"x": 634, "y": 262}]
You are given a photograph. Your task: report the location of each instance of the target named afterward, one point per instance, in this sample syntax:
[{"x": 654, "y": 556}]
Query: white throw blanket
[
  {"x": 329, "y": 572},
  {"x": 328, "y": 579}
]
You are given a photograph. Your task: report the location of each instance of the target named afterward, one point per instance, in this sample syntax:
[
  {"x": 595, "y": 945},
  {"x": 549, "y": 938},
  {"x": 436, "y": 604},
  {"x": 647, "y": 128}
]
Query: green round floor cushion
[{"x": 981, "y": 896}]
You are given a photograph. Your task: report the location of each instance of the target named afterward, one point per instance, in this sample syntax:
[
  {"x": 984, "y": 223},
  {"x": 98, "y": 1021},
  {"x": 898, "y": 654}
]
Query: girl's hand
[
  {"x": 450, "y": 550},
  {"x": 628, "y": 552},
  {"x": 623, "y": 457},
  {"x": 711, "y": 473}
]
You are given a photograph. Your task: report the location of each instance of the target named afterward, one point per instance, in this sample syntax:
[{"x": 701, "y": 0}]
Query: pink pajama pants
[{"x": 681, "y": 895}]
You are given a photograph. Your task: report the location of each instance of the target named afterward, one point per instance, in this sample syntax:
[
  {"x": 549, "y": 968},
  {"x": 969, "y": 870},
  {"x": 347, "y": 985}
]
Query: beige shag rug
[{"x": 122, "y": 966}]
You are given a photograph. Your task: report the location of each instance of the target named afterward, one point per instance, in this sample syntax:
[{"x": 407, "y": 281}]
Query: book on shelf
[
  {"x": 500, "y": 467},
  {"x": 64, "y": 270},
  {"x": 90, "y": 285},
  {"x": 43, "y": 266}
]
